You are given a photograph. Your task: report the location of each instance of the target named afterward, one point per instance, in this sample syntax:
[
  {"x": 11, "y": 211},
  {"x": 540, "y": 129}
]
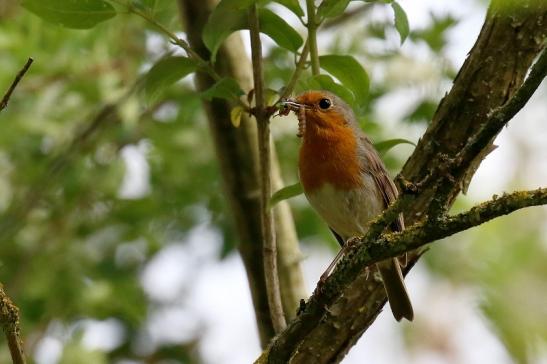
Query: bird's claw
[{"x": 301, "y": 307}]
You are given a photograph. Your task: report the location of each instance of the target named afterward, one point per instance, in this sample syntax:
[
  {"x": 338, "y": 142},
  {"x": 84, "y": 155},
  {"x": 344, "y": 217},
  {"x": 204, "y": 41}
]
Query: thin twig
[
  {"x": 312, "y": 37},
  {"x": 300, "y": 65},
  {"x": 18, "y": 77},
  {"x": 9, "y": 319},
  {"x": 269, "y": 243}
]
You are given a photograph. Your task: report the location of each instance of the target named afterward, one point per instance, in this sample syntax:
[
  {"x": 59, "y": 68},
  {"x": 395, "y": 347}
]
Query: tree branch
[
  {"x": 500, "y": 116},
  {"x": 9, "y": 319},
  {"x": 395, "y": 244},
  {"x": 18, "y": 77},
  {"x": 269, "y": 244},
  {"x": 420, "y": 234},
  {"x": 495, "y": 121}
]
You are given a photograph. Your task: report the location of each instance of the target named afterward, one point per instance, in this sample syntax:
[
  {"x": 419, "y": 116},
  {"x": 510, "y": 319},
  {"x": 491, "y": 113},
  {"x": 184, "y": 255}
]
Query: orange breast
[{"x": 329, "y": 155}]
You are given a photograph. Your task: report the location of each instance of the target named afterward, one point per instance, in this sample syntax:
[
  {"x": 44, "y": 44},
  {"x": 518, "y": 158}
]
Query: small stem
[
  {"x": 297, "y": 72},
  {"x": 269, "y": 243},
  {"x": 312, "y": 37}
]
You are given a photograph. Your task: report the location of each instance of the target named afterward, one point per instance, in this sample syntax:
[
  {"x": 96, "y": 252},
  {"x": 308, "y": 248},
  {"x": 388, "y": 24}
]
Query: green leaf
[
  {"x": 279, "y": 30},
  {"x": 226, "y": 88},
  {"x": 225, "y": 20},
  {"x": 292, "y": 5},
  {"x": 165, "y": 72},
  {"x": 325, "y": 82},
  {"x": 401, "y": 21},
  {"x": 235, "y": 116},
  {"x": 386, "y": 145},
  {"x": 286, "y": 193},
  {"x": 270, "y": 96},
  {"x": 332, "y": 8},
  {"x": 349, "y": 72},
  {"x": 76, "y": 14}
]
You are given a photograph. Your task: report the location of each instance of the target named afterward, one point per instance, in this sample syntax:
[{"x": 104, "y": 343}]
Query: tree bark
[
  {"x": 510, "y": 39},
  {"x": 236, "y": 149}
]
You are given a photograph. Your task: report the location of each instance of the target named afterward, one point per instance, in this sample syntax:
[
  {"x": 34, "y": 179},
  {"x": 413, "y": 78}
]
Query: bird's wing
[
  {"x": 338, "y": 237},
  {"x": 373, "y": 165}
]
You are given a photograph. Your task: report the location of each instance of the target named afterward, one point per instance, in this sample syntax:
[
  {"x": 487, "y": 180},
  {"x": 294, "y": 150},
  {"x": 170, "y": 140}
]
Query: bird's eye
[{"x": 324, "y": 104}]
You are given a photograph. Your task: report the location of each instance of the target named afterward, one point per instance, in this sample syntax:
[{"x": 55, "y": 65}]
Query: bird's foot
[
  {"x": 352, "y": 242},
  {"x": 301, "y": 307}
]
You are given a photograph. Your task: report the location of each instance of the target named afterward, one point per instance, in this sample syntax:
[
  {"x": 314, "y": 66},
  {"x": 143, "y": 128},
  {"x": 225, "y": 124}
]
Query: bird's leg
[
  {"x": 331, "y": 266},
  {"x": 350, "y": 243}
]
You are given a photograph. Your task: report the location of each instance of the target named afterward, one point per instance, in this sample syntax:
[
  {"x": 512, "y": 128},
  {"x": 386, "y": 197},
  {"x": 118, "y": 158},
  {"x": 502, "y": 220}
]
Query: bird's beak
[{"x": 292, "y": 105}]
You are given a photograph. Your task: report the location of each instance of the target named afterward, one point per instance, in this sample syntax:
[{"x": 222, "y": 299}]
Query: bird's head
[{"x": 320, "y": 111}]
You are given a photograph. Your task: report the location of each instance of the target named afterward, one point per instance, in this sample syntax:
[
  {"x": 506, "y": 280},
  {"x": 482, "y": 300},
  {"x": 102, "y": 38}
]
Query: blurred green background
[{"x": 88, "y": 220}]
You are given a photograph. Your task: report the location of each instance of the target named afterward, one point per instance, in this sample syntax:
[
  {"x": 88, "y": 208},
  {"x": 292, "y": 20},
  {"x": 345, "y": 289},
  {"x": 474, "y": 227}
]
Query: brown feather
[{"x": 373, "y": 165}]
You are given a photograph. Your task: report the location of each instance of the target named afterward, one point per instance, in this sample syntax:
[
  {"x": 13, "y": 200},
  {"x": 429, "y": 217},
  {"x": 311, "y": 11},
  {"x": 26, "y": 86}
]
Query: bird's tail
[{"x": 395, "y": 288}]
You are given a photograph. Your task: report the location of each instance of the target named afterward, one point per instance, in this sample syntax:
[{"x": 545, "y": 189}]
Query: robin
[{"x": 345, "y": 180}]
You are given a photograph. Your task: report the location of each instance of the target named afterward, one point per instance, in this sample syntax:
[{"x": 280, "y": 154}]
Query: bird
[{"x": 345, "y": 180}]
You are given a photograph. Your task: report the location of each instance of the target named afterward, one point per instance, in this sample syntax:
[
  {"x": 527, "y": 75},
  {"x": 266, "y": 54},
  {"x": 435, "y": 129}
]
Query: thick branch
[
  {"x": 269, "y": 245},
  {"x": 500, "y": 116},
  {"x": 496, "y": 120},
  {"x": 395, "y": 244},
  {"x": 420, "y": 234}
]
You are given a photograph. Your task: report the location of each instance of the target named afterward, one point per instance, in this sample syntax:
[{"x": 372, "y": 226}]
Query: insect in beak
[{"x": 289, "y": 105}]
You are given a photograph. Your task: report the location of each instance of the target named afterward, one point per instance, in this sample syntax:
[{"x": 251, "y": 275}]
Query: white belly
[{"x": 348, "y": 212}]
